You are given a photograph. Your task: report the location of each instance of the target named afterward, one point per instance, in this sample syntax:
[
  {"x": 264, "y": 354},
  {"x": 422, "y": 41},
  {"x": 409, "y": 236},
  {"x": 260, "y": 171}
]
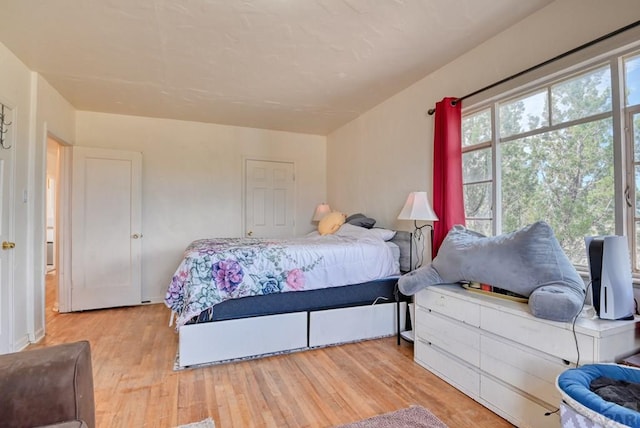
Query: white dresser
[{"x": 500, "y": 355}]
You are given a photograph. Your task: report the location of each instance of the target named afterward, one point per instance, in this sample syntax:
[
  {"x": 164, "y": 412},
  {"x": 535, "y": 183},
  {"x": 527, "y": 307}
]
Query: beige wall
[
  {"x": 192, "y": 180},
  {"x": 36, "y": 107},
  {"x": 15, "y": 92},
  {"x": 377, "y": 159}
]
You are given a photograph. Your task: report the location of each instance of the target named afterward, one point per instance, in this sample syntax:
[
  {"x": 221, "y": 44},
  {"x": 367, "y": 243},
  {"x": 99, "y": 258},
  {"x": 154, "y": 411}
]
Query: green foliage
[{"x": 564, "y": 177}]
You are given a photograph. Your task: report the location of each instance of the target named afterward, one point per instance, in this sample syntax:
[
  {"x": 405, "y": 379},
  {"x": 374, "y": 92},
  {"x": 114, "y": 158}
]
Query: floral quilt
[{"x": 214, "y": 270}]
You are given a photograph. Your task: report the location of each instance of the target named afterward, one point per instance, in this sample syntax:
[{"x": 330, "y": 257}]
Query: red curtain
[{"x": 448, "y": 200}]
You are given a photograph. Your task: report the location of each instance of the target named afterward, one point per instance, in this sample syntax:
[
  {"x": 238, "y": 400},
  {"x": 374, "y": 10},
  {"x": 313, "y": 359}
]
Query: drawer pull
[{"x": 566, "y": 362}]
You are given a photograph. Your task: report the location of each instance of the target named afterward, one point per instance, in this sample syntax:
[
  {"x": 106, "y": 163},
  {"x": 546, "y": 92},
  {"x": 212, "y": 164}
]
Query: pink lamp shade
[{"x": 321, "y": 210}]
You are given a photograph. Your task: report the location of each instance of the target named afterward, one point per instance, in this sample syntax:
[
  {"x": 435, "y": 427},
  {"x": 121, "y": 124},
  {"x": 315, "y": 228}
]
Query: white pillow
[
  {"x": 360, "y": 232},
  {"x": 352, "y": 231},
  {"x": 384, "y": 234}
]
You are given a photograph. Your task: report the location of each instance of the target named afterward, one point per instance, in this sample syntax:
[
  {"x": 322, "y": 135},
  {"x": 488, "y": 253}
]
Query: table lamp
[{"x": 417, "y": 208}]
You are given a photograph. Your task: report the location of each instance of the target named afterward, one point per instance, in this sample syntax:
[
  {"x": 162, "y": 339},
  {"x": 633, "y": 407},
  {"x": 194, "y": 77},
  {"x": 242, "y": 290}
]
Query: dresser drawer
[
  {"x": 524, "y": 368},
  {"x": 553, "y": 338},
  {"x": 516, "y": 408},
  {"x": 458, "y": 309},
  {"x": 448, "y": 367},
  {"x": 454, "y": 337}
]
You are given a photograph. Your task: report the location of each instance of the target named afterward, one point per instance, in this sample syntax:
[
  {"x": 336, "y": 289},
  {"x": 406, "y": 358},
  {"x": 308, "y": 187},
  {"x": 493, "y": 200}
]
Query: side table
[{"x": 406, "y": 334}]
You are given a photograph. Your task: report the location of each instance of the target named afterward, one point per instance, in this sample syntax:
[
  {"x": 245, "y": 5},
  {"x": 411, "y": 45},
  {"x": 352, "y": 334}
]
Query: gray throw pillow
[
  {"x": 360, "y": 220},
  {"x": 529, "y": 262}
]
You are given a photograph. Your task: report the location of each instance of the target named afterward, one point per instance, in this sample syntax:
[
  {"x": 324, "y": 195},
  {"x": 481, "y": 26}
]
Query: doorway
[{"x": 52, "y": 241}]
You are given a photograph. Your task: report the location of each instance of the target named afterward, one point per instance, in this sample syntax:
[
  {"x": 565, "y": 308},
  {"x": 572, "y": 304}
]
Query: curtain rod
[{"x": 542, "y": 64}]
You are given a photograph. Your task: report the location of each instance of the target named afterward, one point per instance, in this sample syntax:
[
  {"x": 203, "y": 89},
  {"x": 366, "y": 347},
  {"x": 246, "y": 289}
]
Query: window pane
[
  {"x": 637, "y": 249},
  {"x": 481, "y": 226},
  {"x": 637, "y": 168},
  {"x": 476, "y": 165},
  {"x": 636, "y": 136},
  {"x": 524, "y": 114},
  {"x": 636, "y": 145},
  {"x": 477, "y": 200},
  {"x": 581, "y": 96},
  {"x": 565, "y": 178},
  {"x": 632, "y": 80},
  {"x": 476, "y": 128}
]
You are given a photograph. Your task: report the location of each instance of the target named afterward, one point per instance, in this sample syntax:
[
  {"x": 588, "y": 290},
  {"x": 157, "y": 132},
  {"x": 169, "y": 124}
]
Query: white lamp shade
[
  {"x": 321, "y": 211},
  {"x": 417, "y": 207}
]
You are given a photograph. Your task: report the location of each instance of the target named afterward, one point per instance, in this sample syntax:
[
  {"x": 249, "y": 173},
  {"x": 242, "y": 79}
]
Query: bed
[{"x": 235, "y": 298}]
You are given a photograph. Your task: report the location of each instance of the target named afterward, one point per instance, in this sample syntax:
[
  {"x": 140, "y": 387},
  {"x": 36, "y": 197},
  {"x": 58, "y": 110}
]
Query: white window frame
[
  {"x": 623, "y": 157},
  {"x": 630, "y": 195}
]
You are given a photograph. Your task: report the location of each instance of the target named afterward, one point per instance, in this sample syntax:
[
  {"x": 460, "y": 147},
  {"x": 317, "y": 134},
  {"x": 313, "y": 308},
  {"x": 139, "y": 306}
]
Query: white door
[
  {"x": 269, "y": 203},
  {"x": 6, "y": 238},
  {"x": 105, "y": 228}
]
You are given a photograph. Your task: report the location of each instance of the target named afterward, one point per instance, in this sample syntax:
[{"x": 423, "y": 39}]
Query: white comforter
[{"x": 214, "y": 270}]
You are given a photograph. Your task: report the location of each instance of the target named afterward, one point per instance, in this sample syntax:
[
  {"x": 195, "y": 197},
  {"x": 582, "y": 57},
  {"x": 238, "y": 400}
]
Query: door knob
[
  {"x": 8, "y": 245},
  {"x": 249, "y": 233}
]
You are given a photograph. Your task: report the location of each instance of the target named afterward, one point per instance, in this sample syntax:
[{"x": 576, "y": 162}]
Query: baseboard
[
  {"x": 152, "y": 300},
  {"x": 38, "y": 335},
  {"x": 21, "y": 344}
]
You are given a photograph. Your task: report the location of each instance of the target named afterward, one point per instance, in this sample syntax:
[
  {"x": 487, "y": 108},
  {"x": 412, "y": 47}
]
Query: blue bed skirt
[
  {"x": 574, "y": 386},
  {"x": 376, "y": 291}
]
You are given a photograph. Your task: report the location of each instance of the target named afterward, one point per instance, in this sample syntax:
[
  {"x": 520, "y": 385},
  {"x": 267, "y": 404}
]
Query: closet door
[
  {"x": 269, "y": 203},
  {"x": 106, "y": 232}
]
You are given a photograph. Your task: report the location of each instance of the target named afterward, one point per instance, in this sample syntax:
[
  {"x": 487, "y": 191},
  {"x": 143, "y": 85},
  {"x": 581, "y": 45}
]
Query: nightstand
[{"x": 406, "y": 334}]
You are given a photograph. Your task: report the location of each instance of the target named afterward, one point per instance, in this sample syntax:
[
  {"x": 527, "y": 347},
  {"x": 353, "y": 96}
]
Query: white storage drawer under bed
[{"x": 252, "y": 337}]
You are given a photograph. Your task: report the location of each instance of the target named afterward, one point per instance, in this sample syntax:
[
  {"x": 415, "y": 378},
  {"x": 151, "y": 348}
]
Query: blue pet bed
[{"x": 582, "y": 407}]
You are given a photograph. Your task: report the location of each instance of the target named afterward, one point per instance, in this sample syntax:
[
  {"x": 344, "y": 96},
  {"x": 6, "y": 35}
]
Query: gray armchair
[{"x": 50, "y": 386}]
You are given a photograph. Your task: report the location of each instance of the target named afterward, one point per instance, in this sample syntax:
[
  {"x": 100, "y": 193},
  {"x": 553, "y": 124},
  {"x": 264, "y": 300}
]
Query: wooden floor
[{"x": 133, "y": 350}]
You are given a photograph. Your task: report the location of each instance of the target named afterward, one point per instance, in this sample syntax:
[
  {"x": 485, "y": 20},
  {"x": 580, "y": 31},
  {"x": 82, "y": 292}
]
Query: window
[
  {"x": 632, "y": 110},
  {"x": 524, "y": 114},
  {"x": 477, "y": 171},
  {"x": 632, "y": 80},
  {"x": 549, "y": 153}
]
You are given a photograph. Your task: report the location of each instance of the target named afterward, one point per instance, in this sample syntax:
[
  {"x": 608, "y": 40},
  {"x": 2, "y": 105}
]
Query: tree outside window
[{"x": 556, "y": 163}]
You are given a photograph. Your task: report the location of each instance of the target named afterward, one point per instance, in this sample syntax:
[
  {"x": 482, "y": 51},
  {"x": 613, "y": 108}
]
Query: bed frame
[{"x": 257, "y": 326}]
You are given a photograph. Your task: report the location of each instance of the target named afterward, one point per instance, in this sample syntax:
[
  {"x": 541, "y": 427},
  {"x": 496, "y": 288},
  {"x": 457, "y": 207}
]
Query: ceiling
[{"x": 305, "y": 66}]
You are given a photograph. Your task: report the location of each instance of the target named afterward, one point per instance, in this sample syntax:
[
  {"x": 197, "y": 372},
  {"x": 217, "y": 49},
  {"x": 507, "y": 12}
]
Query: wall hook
[{"x": 3, "y": 128}]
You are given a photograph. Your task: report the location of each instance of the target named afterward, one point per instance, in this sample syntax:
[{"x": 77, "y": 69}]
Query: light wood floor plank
[{"x": 133, "y": 350}]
